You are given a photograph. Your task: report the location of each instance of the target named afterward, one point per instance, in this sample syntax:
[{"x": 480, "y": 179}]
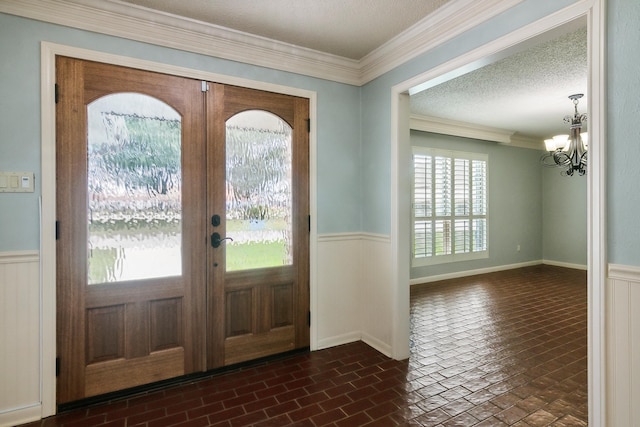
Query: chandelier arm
[
  {"x": 561, "y": 158},
  {"x": 583, "y": 158}
]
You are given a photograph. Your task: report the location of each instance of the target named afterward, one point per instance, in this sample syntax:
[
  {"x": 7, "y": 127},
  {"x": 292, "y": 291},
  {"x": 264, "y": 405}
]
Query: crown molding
[
  {"x": 523, "y": 141},
  {"x": 149, "y": 26},
  {"x": 449, "y": 21},
  {"x": 458, "y": 128},
  {"x": 473, "y": 131},
  {"x": 133, "y": 22}
]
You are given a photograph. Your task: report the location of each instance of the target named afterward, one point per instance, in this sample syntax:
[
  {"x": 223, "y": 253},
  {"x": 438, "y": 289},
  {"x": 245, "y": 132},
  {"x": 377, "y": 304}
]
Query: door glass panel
[
  {"x": 258, "y": 191},
  {"x": 134, "y": 189}
]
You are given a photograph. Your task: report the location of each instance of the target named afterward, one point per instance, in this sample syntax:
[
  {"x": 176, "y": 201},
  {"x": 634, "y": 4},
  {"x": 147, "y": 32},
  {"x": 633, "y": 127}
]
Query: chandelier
[{"x": 569, "y": 151}]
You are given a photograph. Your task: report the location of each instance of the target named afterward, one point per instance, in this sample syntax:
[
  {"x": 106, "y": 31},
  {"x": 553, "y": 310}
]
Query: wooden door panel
[
  {"x": 249, "y": 347},
  {"x": 120, "y": 374},
  {"x": 281, "y": 306},
  {"x": 166, "y": 326},
  {"x": 257, "y": 312},
  {"x": 238, "y": 99},
  {"x": 240, "y": 310},
  {"x": 127, "y": 332},
  {"x": 70, "y": 314},
  {"x": 105, "y": 333},
  {"x": 258, "y": 309},
  {"x": 137, "y": 329},
  {"x": 151, "y": 328}
]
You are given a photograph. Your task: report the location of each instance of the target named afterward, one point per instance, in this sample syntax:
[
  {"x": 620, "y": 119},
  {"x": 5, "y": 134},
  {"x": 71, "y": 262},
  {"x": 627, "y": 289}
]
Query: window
[{"x": 449, "y": 206}]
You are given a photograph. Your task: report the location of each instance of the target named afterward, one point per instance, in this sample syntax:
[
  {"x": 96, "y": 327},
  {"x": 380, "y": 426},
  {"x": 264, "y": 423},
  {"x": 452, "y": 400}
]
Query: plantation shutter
[{"x": 449, "y": 204}]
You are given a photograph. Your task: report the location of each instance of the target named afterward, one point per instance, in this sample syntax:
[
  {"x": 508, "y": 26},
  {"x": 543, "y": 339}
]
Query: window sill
[{"x": 446, "y": 259}]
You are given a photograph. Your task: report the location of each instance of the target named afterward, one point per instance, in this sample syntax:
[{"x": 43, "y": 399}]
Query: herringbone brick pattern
[{"x": 501, "y": 349}]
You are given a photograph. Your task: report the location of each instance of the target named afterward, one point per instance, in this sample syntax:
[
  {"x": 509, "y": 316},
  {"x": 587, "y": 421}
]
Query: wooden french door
[
  {"x": 148, "y": 288},
  {"x": 258, "y": 290}
]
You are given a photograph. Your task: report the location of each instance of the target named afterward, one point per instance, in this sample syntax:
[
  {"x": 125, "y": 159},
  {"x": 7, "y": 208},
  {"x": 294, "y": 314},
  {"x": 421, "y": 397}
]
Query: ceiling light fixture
[{"x": 569, "y": 151}]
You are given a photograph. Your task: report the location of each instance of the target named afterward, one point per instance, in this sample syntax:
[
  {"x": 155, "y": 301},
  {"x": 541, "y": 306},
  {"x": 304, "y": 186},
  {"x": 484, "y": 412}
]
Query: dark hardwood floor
[{"x": 500, "y": 349}]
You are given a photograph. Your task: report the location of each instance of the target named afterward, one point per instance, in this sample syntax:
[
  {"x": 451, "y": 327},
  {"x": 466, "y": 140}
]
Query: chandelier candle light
[{"x": 569, "y": 151}]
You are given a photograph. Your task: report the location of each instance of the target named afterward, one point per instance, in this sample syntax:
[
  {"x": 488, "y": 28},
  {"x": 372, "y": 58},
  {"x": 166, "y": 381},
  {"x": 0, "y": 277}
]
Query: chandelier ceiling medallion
[{"x": 569, "y": 151}]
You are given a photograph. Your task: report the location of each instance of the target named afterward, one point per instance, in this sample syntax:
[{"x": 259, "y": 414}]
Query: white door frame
[
  {"x": 49, "y": 51},
  {"x": 594, "y": 12}
]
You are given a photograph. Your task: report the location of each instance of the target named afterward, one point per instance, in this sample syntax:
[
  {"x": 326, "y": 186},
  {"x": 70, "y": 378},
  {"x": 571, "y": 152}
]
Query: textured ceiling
[
  {"x": 348, "y": 28},
  {"x": 526, "y": 92}
]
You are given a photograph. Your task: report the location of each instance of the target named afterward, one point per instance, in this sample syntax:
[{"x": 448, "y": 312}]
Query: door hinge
[
  {"x": 205, "y": 86},
  {"x": 309, "y": 125},
  {"x": 56, "y": 93},
  {"x": 308, "y": 318},
  {"x": 309, "y": 220},
  {"x": 57, "y": 366},
  {"x": 57, "y": 230}
]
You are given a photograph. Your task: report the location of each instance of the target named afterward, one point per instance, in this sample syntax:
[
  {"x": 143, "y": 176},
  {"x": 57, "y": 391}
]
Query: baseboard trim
[
  {"x": 17, "y": 416},
  {"x": 458, "y": 274},
  {"x": 339, "y": 340},
  {"x": 353, "y": 337},
  {"x": 377, "y": 344},
  {"x": 565, "y": 264}
]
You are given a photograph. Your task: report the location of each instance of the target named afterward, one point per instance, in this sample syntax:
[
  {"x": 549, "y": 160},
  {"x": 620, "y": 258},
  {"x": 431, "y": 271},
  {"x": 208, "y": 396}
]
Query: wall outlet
[{"x": 518, "y": 248}]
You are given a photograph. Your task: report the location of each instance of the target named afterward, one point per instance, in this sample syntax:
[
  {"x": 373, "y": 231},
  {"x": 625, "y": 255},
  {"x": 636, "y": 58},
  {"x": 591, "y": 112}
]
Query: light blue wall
[
  {"x": 353, "y": 179},
  {"x": 564, "y": 217},
  {"x": 339, "y": 195},
  {"x": 515, "y": 203},
  {"x": 623, "y": 142},
  {"x": 376, "y": 101},
  {"x": 623, "y": 106}
]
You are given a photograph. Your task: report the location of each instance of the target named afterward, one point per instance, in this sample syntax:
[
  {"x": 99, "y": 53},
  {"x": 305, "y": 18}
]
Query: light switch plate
[{"x": 17, "y": 182}]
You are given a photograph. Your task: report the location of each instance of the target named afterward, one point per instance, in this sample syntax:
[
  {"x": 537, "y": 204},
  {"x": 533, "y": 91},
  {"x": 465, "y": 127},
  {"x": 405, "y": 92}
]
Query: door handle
[{"x": 216, "y": 240}]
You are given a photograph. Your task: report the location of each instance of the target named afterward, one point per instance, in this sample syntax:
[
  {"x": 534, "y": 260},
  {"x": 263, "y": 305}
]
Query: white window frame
[{"x": 451, "y": 215}]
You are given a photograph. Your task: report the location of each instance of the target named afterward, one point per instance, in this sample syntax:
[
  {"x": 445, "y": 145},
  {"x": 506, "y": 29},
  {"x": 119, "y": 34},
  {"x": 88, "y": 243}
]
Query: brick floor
[{"x": 500, "y": 349}]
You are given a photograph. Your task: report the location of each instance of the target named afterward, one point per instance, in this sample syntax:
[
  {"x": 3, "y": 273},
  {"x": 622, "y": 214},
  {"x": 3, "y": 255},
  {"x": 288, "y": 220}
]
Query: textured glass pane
[
  {"x": 134, "y": 189},
  {"x": 258, "y": 191}
]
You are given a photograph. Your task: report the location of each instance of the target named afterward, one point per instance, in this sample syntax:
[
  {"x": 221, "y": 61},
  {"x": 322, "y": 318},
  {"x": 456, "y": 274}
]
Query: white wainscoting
[
  {"x": 351, "y": 303},
  {"x": 623, "y": 346},
  {"x": 376, "y": 292},
  {"x": 353, "y": 291},
  {"x": 20, "y": 326},
  {"x": 338, "y": 290}
]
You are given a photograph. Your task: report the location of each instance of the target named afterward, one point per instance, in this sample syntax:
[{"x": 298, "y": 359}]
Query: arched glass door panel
[
  {"x": 258, "y": 191},
  {"x": 134, "y": 189}
]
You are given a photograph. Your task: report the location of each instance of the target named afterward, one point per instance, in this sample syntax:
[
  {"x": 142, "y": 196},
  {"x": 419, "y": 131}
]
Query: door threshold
[{"x": 183, "y": 379}]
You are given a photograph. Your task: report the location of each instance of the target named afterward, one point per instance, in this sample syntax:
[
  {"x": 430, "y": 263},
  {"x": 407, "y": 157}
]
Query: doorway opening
[{"x": 400, "y": 125}]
